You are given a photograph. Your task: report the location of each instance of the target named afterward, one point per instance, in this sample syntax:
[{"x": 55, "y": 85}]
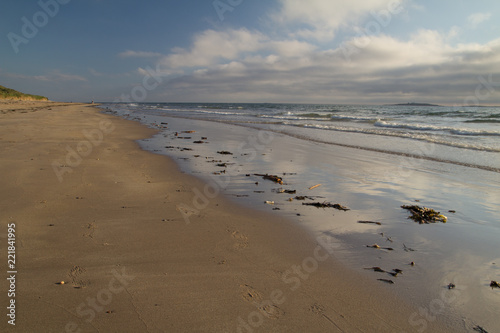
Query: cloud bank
[{"x": 305, "y": 61}]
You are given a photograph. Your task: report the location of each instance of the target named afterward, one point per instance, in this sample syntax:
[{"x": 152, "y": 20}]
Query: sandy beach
[{"x": 112, "y": 238}]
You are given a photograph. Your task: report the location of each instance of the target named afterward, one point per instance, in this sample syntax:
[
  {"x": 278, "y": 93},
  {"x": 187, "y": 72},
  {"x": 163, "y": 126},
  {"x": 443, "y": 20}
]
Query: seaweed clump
[
  {"x": 326, "y": 205},
  {"x": 424, "y": 215},
  {"x": 273, "y": 178}
]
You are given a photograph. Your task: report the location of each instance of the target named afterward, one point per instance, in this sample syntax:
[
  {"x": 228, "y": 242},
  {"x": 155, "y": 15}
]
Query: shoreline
[
  {"x": 112, "y": 229},
  {"x": 368, "y": 149},
  {"x": 444, "y": 253}
]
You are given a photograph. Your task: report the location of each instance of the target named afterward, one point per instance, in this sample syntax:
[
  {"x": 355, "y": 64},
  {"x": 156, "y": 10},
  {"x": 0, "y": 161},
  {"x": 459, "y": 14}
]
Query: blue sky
[{"x": 316, "y": 51}]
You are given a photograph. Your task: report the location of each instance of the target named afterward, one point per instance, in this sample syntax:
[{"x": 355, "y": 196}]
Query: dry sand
[{"x": 113, "y": 226}]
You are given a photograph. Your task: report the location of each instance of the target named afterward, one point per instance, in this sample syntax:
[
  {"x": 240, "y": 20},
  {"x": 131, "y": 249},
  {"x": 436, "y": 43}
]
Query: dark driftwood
[{"x": 370, "y": 222}]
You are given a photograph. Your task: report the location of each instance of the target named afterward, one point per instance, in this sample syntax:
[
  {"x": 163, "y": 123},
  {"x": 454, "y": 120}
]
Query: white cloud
[
  {"x": 210, "y": 47},
  {"x": 242, "y": 65},
  {"x": 476, "y": 19},
  {"x": 138, "y": 54},
  {"x": 319, "y": 19},
  {"x": 386, "y": 69},
  {"x": 95, "y": 73}
]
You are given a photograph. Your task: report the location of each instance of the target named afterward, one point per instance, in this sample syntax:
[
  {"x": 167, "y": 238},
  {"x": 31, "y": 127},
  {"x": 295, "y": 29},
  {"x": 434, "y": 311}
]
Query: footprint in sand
[
  {"x": 241, "y": 240},
  {"x": 90, "y": 230},
  {"x": 317, "y": 308},
  {"x": 249, "y": 294},
  {"x": 186, "y": 211},
  {"x": 272, "y": 311},
  {"x": 75, "y": 274}
]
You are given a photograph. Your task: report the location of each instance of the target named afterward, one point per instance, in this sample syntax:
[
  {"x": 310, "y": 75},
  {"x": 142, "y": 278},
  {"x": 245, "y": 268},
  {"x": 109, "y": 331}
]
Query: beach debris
[
  {"x": 199, "y": 141},
  {"x": 60, "y": 282},
  {"x": 376, "y": 246},
  {"x": 276, "y": 208},
  {"x": 376, "y": 269},
  {"x": 269, "y": 202},
  {"x": 164, "y": 123},
  {"x": 280, "y": 190},
  {"x": 424, "y": 215},
  {"x": 370, "y": 222},
  {"x": 326, "y": 205},
  {"x": 188, "y": 132},
  {"x": 394, "y": 272},
  {"x": 386, "y": 281},
  {"x": 273, "y": 178},
  {"x": 204, "y": 138},
  {"x": 301, "y": 197},
  {"x": 313, "y": 187},
  {"x": 224, "y": 165},
  {"x": 290, "y": 199},
  {"x": 407, "y": 249},
  {"x": 170, "y": 147},
  {"x": 494, "y": 284},
  {"x": 224, "y": 152},
  {"x": 186, "y": 149},
  {"x": 451, "y": 286},
  {"x": 452, "y": 211},
  {"x": 480, "y": 329},
  {"x": 412, "y": 263}
]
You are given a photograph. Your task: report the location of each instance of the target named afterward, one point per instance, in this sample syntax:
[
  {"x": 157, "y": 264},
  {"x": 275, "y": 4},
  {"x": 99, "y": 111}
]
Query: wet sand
[{"x": 143, "y": 247}]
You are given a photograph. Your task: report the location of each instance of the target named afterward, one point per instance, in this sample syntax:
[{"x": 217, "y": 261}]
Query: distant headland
[{"x": 11, "y": 94}]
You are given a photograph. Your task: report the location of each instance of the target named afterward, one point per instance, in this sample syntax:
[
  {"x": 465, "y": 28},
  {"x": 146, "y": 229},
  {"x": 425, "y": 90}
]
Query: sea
[{"x": 372, "y": 159}]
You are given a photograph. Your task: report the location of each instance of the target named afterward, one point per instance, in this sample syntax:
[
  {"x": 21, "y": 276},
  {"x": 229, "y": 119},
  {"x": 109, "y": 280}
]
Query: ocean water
[
  {"x": 372, "y": 159},
  {"x": 463, "y": 135}
]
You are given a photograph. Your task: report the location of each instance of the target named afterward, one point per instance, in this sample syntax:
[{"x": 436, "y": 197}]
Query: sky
[{"x": 274, "y": 51}]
